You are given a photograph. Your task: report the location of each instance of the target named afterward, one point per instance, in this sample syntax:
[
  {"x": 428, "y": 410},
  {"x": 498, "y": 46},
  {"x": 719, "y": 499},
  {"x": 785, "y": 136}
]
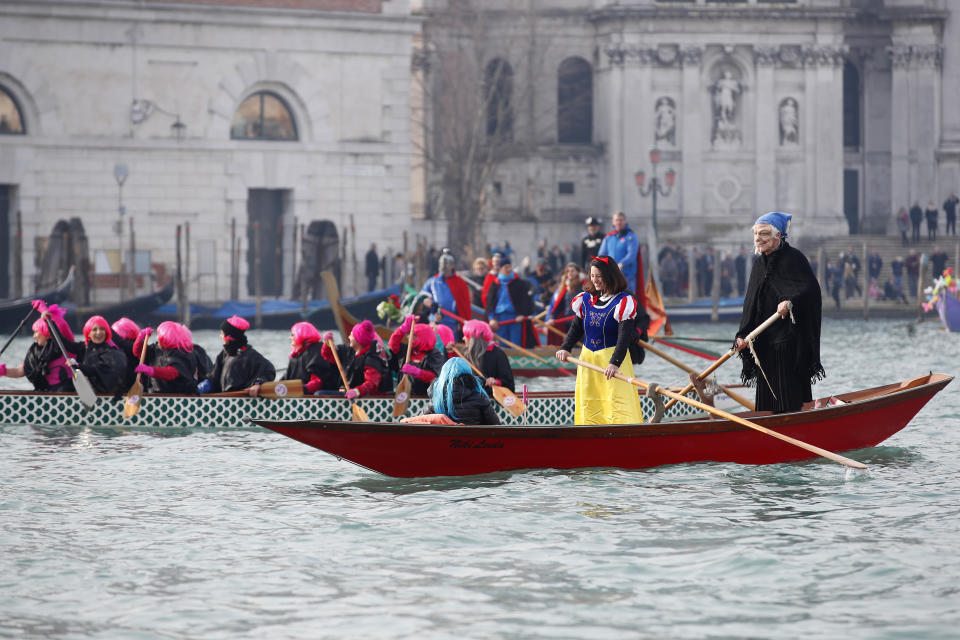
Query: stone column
[
  {"x": 767, "y": 124},
  {"x": 690, "y": 132},
  {"x": 616, "y": 54},
  {"x": 900, "y": 194},
  {"x": 823, "y": 151},
  {"x": 638, "y": 133}
]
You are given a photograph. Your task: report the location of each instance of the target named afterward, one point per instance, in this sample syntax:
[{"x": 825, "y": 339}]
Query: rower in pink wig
[
  {"x": 57, "y": 315},
  {"x": 364, "y": 334},
  {"x": 446, "y": 336},
  {"x": 126, "y": 328},
  {"x": 302, "y": 335},
  {"x": 98, "y": 321},
  {"x": 479, "y": 329},
  {"x": 173, "y": 335}
]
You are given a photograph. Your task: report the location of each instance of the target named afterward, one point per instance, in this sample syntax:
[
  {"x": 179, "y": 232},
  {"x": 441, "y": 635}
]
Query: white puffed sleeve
[
  {"x": 577, "y": 304},
  {"x": 626, "y": 309}
]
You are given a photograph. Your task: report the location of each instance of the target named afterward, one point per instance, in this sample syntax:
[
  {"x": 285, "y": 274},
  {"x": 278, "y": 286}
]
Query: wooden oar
[
  {"x": 652, "y": 349},
  {"x": 88, "y": 398},
  {"x": 359, "y": 415},
  {"x": 132, "y": 403},
  {"x": 277, "y": 389},
  {"x": 402, "y": 397},
  {"x": 16, "y": 331},
  {"x": 507, "y": 399},
  {"x": 706, "y": 372},
  {"x": 550, "y": 327},
  {"x": 527, "y": 352},
  {"x": 729, "y": 416}
]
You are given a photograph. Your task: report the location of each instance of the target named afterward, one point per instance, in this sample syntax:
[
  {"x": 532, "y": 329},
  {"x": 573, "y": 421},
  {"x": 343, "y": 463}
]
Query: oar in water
[
  {"x": 706, "y": 372},
  {"x": 652, "y": 349},
  {"x": 88, "y": 398},
  {"x": 276, "y": 389},
  {"x": 507, "y": 399},
  {"x": 402, "y": 396},
  {"x": 131, "y": 406},
  {"x": 729, "y": 416},
  {"x": 17, "y": 330},
  {"x": 359, "y": 415}
]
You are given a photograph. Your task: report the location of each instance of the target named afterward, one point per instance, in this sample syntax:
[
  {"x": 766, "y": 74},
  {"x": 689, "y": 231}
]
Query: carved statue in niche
[
  {"x": 789, "y": 122},
  {"x": 726, "y": 92},
  {"x": 666, "y": 121}
]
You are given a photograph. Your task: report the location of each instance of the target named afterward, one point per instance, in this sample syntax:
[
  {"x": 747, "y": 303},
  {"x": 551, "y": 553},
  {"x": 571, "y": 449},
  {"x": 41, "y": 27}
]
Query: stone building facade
[
  {"x": 840, "y": 111},
  {"x": 273, "y": 112}
]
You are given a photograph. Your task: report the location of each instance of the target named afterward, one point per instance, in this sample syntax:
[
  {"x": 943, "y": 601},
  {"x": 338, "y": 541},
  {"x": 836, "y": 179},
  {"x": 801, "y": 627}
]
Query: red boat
[{"x": 850, "y": 421}]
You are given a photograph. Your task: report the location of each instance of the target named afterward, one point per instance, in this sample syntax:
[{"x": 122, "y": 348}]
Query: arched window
[
  {"x": 11, "y": 120},
  {"x": 851, "y": 105},
  {"x": 498, "y": 94},
  {"x": 263, "y": 116},
  {"x": 575, "y": 102}
]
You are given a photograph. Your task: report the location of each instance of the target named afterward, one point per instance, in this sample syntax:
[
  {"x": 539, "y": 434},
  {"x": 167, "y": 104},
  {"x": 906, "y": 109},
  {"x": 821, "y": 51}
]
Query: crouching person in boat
[
  {"x": 307, "y": 362},
  {"x": 487, "y": 356},
  {"x": 238, "y": 365},
  {"x": 98, "y": 356},
  {"x": 45, "y": 365},
  {"x": 365, "y": 363},
  {"x": 457, "y": 398},
  {"x": 171, "y": 364},
  {"x": 125, "y": 332},
  {"x": 426, "y": 360},
  {"x": 604, "y": 318}
]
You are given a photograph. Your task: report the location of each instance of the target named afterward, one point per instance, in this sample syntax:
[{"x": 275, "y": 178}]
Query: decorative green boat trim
[{"x": 223, "y": 412}]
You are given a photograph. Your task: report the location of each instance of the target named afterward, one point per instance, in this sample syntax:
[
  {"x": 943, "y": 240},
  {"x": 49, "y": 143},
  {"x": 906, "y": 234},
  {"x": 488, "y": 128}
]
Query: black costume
[
  {"x": 36, "y": 366},
  {"x": 495, "y": 364},
  {"x": 240, "y": 370},
  {"x": 789, "y": 353},
  {"x": 105, "y": 366},
  {"x": 521, "y": 296},
  {"x": 126, "y": 346},
  {"x": 355, "y": 367},
  {"x": 433, "y": 361},
  {"x": 310, "y": 365},
  {"x": 187, "y": 364},
  {"x": 470, "y": 405},
  {"x": 589, "y": 247}
]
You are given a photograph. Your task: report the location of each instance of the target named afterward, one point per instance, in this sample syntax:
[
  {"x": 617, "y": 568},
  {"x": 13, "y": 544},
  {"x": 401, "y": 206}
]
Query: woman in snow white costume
[{"x": 604, "y": 317}]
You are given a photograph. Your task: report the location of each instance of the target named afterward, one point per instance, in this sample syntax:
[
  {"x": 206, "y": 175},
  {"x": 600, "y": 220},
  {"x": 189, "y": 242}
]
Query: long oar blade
[
  {"x": 402, "y": 397},
  {"x": 278, "y": 389},
  {"x": 508, "y": 400},
  {"x": 88, "y": 397},
  {"x": 131, "y": 405},
  {"x": 359, "y": 415}
]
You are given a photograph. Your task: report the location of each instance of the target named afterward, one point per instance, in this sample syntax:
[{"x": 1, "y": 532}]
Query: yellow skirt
[{"x": 602, "y": 401}]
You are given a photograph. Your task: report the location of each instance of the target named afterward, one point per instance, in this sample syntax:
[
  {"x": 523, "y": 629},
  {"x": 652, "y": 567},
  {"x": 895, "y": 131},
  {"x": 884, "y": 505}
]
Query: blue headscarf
[
  {"x": 442, "y": 397},
  {"x": 779, "y": 221}
]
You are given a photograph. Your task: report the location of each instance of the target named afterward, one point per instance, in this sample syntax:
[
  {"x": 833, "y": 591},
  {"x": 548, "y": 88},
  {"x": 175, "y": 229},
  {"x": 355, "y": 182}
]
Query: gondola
[
  {"x": 948, "y": 307},
  {"x": 13, "y": 311},
  {"x": 137, "y": 309},
  {"x": 846, "y": 422}
]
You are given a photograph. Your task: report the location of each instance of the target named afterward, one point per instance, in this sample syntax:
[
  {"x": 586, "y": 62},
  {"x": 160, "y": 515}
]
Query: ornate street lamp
[{"x": 654, "y": 188}]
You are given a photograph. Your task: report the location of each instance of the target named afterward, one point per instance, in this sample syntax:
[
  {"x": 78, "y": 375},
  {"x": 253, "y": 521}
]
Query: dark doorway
[
  {"x": 851, "y": 105},
  {"x": 321, "y": 252},
  {"x": 851, "y": 199},
  {"x": 5, "y": 240},
  {"x": 265, "y": 237}
]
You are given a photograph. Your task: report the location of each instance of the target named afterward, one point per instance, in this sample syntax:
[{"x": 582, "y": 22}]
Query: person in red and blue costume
[
  {"x": 448, "y": 291},
  {"x": 622, "y": 245},
  {"x": 510, "y": 305}
]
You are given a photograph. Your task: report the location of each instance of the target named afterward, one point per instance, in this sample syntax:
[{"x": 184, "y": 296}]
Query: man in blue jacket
[{"x": 622, "y": 245}]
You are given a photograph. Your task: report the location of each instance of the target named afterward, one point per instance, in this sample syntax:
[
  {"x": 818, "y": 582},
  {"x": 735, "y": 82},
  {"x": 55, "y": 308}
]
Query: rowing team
[{"x": 110, "y": 356}]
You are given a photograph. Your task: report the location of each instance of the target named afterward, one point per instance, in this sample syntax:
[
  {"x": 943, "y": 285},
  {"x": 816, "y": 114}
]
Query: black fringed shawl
[{"x": 785, "y": 274}]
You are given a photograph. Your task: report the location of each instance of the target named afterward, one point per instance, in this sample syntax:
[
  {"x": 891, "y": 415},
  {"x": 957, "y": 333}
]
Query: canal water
[{"x": 247, "y": 534}]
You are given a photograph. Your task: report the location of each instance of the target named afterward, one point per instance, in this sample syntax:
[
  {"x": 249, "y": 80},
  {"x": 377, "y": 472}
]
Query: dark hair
[{"x": 611, "y": 274}]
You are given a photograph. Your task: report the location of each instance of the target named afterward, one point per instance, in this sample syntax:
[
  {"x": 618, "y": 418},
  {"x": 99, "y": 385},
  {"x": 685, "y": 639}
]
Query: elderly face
[
  {"x": 765, "y": 238},
  {"x": 97, "y": 334}
]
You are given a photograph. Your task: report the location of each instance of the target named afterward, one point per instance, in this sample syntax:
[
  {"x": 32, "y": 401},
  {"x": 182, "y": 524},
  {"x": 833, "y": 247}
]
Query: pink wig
[
  {"x": 126, "y": 328},
  {"x": 478, "y": 329},
  {"x": 56, "y": 314},
  {"x": 97, "y": 321},
  {"x": 238, "y": 322},
  {"x": 446, "y": 335},
  {"x": 173, "y": 335},
  {"x": 424, "y": 339},
  {"x": 364, "y": 333},
  {"x": 304, "y": 334}
]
